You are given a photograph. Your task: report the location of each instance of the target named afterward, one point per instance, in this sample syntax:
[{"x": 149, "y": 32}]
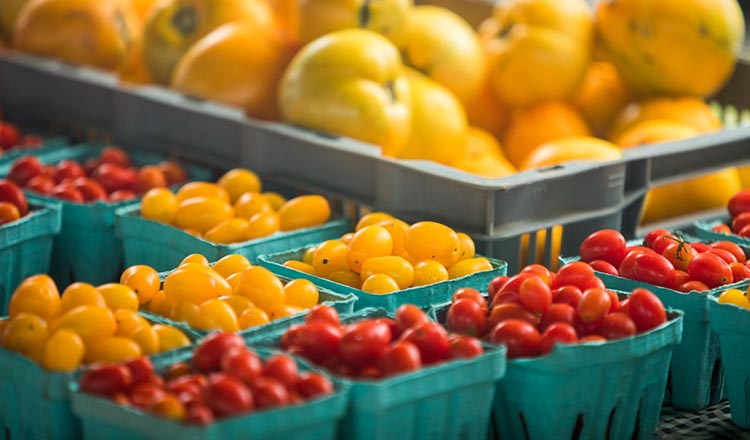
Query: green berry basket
[{"x": 704, "y": 231}]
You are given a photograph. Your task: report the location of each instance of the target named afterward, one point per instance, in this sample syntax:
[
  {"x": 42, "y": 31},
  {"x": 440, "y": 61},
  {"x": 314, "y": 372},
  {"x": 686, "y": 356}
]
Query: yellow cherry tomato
[
  {"x": 379, "y": 284},
  {"x": 346, "y": 277},
  {"x": 301, "y": 293},
  {"x": 63, "y": 351},
  {"x": 304, "y": 212},
  {"x": 234, "y": 281},
  {"x": 261, "y": 287},
  {"x": 397, "y": 229},
  {"x": 466, "y": 247},
  {"x": 220, "y": 284},
  {"x": 118, "y": 296},
  {"x": 26, "y": 333},
  {"x": 92, "y": 323},
  {"x": 3, "y": 324},
  {"x": 300, "y": 266},
  {"x": 170, "y": 337},
  {"x": 251, "y": 203},
  {"x": 275, "y": 199},
  {"x": 112, "y": 350},
  {"x": 252, "y": 317},
  {"x": 216, "y": 315},
  {"x": 736, "y": 297},
  {"x": 330, "y": 256},
  {"x": 395, "y": 267},
  {"x": 202, "y": 213},
  {"x": 160, "y": 304},
  {"x": 160, "y": 204},
  {"x": 128, "y": 321},
  {"x": 231, "y": 264},
  {"x": 346, "y": 238},
  {"x": 185, "y": 311},
  {"x": 238, "y": 303},
  {"x": 429, "y": 272},
  {"x": 147, "y": 340},
  {"x": 37, "y": 295},
  {"x": 80, "y": 294},
  {"x": 262, "y": 224},
  {"x": 279, "y": 311},
  {"x": 468, "y": 267},
  {"x": 229, "y": 231},
  {"x": 371, "y": 219},
  {"x": 239, "y": 181},
  {"x": 195, "y": 258},
  {"x": 307, "y": 258},
  {"x": 432, "y": 241},
  {"x": 144, "y": 280},
  {"x": 190, "y": 285},
  {"x": 368, "y": 242},
  {"x": 202, "y": 189}
]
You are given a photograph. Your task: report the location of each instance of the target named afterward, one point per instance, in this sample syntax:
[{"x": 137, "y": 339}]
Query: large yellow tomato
[
  {"x": 690, "y": 111},
  {"x": 601, "y": 96},
  {"x": 483, "y": 156},
  {"x": 9, "y": 10},
  {"x": 570, "y": 149},
  {"x": 350, "y": 82},
  {"x": 672, "y": 47}
]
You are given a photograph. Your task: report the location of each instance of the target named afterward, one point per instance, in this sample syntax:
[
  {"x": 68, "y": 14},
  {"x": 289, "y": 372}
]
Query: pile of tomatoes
[
  {"x": 667, "y": 260},
  {"x": 739, "y": 210},
  {"x": 233, "y": 209},
  {"x": 11, "y": 137},
  {"x": 223, "y": 379},
  {"x": 376, "y": 348},
  {"x": 13, "y": 203},
  {"x": 385, "y": 254},
  {"x": 111, "y": 177},
  {"x": 536, "y": 309}
]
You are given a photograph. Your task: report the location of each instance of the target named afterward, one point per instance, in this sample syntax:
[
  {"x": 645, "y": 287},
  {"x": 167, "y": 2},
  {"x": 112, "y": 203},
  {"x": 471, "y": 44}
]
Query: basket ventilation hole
[
  {"x": 715, "y": 377},
  {"x": 637, "y": 428},
  {"x": 578, "y": 428},
  {"x": 6, "y": 432},
  {"x": 609, "y": 423},
  {"x": 523, "y": 424},
  {"x": 669, "y": 382}
]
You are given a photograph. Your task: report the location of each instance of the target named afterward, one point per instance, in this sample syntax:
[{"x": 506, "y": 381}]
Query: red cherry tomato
[
  {"x": 653, "y": 269},
  {"x": 679, "y": 254},
  {"x": 114, "y": 177},
  {"x": 66, "y": 191},
  {"x": 618, "y": 326},
  {"x": 739, "y": 203},
  {"x": 199, "y": 415},
  {"x": 41, "y": 184},
  {"x": 663, "y": 241},
  {"x": 739, "y": 272},
  {"x": 680, "y": 277},
  {"x": 431, "y": 340},
  {"x": 535, "y": 295},
  {"x": 121, "y": 195},
  {"x": 242, "y": 364},
  {"x": 557, "y": 333},
  {"x": 408, "y": 316},
  {"x": 592, "y": 338},
  {"x": 692, "y": 286},
  {"x": 89, "y": 189},
  {"x": 506, "y": 297},
  {"x": 115, "y": 155},
  {"x": 567, "y": 295},
  {"x": 464, "y": 347},
  {"x": 319, "y": 340},
  {"x": 604, "y": 267},
  {"x": 744, "y": 232},
  {"x": 593, "y": 282},
  {"x": 289, "y": 338},
  {"x": 734, "y": 248},
  {"x": 269, "y": 393},
  {"x": 24, "y": 169},
  {"x": 391, "y": 323},
  {"x": 11, "y": 193},
  {"x": 615, "y": 301},
  {"x": 282, "y": 368},
  {"x": 724, "y": 255},
  {"x": 503, "y": 312},
  {"x": 465, "y": 316},
  {"x": 364, "y": 343},
  {"x": 149, "y": 177},
  {"x": 496, "y": 284},
  {"x": 607, "y": 245},
  {"x": 189, "y": 388},
  {"x": 207, "y": 355},
  {"x": 514, "y": 283},
  {"x": 576, "y": 273},
  {"x": 710, "y": 269},
  {"x": 311, "y": 385},
  {"x": 370, "y": 372},
  {"x": 68, "y": 169},
  {"x": 646, "y": 310},
  {"x": 9, "y": 135},
  {"x": 540, "y": 271},
  {"x": 227, "y": 396},
  {"x": 739, "y": 222},
  {"x": 651, "y": 237},
  {"x": 325, "y": 313},
  {"x": 106, "y": 380},
  {"x": 722, "y": 229},
  {"x": 143, "y": 395},
  {"x": 625, "y": 307},
  {"x": 588, "y": 328},
  {"x": 700, "y": 247},
  {"x": 558, "y": 312},
  {"x": 402, "y": 356},
  {"x": 141, "y": 369},
  {"x": 472, "y": 294},
  {"x": 90, "y": 164},
  {"x": 521, "y": 338},
  {"x": 594, "y": 304}
]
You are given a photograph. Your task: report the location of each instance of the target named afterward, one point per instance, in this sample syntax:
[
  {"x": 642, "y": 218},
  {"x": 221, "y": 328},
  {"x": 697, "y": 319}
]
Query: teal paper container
[
  {"x": 599, "y": 390},
  {"x": 452, "y": 400},
  {"x": 696, "y": 379},
  {"x": 313, "y": 420},
  {"x": 732, "y": 324},
  {"x": 704, "y": 232},
  {"x": 87, "y": 249},
  {"x": 422, "y": 296},
  {"x": 26, "y": 247},
  {"x": 35, "y": 403},
  {"x": 163, "y": 247}
]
